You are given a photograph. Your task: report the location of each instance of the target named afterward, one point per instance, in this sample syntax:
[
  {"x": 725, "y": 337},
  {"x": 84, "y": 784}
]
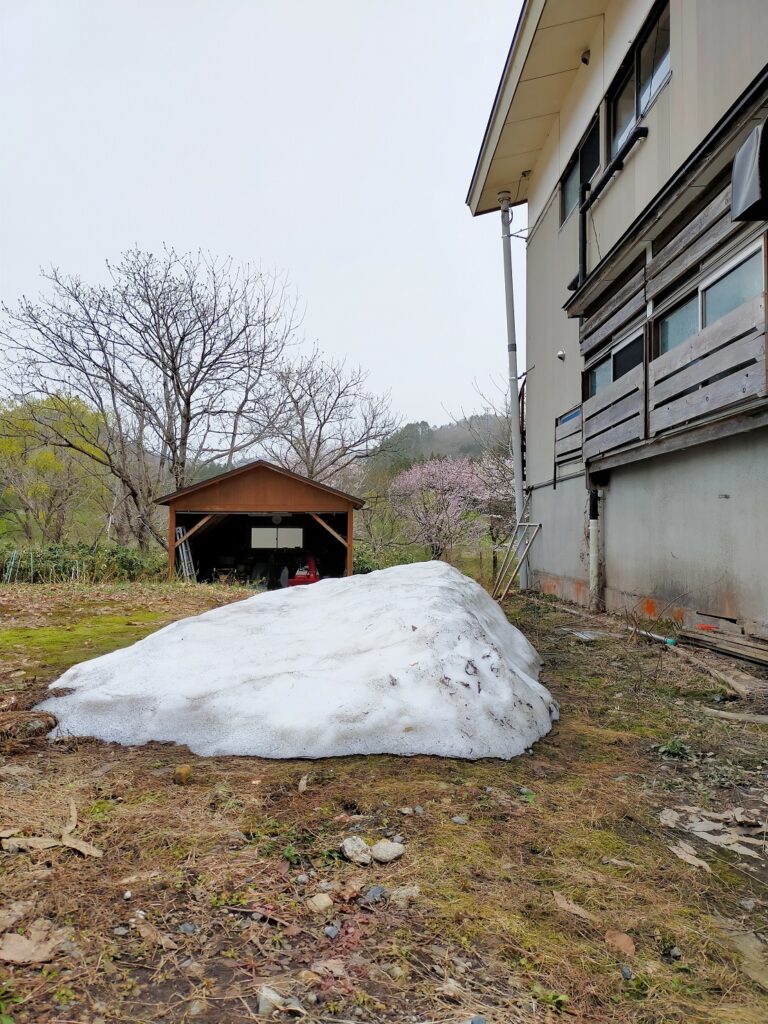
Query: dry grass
[{"x": 225, "y": 854}]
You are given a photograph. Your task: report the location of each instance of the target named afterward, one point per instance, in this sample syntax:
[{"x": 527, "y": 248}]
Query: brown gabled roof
[{"x": 168, "y": 498}]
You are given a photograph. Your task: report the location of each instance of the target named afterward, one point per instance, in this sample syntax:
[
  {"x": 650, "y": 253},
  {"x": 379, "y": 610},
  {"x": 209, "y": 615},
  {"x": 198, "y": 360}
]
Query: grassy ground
[{"x": 512, "y": 910}]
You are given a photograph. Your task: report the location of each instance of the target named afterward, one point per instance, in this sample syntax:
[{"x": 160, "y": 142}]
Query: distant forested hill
[{"x": 418, "y": 441}]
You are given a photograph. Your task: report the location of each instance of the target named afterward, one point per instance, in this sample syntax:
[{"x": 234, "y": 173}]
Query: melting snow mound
[{"x": 416, "y": 659}]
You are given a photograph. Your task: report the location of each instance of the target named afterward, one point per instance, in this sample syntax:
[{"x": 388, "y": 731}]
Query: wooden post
[
  {"x": 171, "y": 542},
  {"x": 350, "y": 540}
]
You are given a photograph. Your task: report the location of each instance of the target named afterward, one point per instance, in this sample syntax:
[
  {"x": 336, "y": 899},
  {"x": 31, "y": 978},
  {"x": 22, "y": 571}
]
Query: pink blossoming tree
[{"x": 439, "y": 502}]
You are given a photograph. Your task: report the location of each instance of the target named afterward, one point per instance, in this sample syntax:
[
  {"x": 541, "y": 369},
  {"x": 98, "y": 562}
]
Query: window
[
  {"x": 628, "y": 357},
  {"x": 581, "y": 169},
  {"x": 599, "y": 376},
  {"x": 277, "y": 537},
  {"x": 679, "y": 324},
  {"x": 614, "y": 366},
  {"x": 733, "y": 289},
  {"x": 644, "y": 73},
  {"x": 713, "y": 300}
]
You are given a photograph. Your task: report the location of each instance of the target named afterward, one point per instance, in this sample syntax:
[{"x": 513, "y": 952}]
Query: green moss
[{"x": 56, "y": 648}]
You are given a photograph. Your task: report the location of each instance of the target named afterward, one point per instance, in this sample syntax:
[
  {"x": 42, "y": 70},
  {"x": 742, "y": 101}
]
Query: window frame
[
  {"x": 707, "y": 278},
  {"x": 575, "y": 161},
  {"x": 630, "y": 70},
  {"x": 623, "y": 340}
]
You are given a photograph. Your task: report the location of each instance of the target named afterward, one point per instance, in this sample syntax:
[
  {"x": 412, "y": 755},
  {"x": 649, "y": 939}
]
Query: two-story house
[{"x": 635, "y": 131}]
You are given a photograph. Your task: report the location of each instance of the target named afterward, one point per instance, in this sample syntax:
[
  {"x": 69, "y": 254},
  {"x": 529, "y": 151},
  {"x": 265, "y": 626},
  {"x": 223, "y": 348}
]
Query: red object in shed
[{"x": 305, "y": 576}]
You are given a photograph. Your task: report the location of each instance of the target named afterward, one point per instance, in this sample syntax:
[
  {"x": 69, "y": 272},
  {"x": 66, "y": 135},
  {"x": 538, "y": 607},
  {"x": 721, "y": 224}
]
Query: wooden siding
[
  {"x": 722, "y": 365},
  {"x": 568, "y": 439},
  {"x": 616, "y": 415},
  {"x": 612, "y": 315},
  {"x": 259, "y": 489}
]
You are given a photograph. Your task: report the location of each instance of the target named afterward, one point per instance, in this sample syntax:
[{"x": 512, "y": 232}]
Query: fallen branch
[
  {"x": 734, "y": 685},
  {"x": 737, "y": 716}
]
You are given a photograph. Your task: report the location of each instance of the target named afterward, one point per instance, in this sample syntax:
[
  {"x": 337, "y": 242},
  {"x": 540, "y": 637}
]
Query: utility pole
[{"x": 517, "y": 444}]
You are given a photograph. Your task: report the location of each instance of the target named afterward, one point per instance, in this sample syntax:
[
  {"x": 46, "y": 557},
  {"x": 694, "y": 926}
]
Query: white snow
[{"x": 416, "y": 659}]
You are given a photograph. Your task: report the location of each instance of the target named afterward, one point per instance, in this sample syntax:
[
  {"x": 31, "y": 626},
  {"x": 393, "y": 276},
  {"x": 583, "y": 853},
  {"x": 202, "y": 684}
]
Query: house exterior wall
[
  {"x": 684, "y": 536},
  {"x": 668, "y": 535}
]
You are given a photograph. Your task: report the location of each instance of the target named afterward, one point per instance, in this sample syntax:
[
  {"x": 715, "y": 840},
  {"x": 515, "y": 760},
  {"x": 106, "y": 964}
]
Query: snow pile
[{"x": 412, "y": 660}]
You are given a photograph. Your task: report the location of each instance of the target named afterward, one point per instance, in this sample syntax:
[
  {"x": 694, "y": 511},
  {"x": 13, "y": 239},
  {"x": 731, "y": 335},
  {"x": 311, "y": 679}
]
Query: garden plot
[{"x": 416, "y": 659}]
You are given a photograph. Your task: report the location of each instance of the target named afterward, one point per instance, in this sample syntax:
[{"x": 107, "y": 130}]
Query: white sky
[{"x": 332, "y": 139}]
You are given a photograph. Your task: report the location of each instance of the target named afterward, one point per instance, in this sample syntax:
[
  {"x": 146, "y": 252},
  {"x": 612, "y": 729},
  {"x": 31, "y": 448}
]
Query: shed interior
[{"x": 264, "y": 548}]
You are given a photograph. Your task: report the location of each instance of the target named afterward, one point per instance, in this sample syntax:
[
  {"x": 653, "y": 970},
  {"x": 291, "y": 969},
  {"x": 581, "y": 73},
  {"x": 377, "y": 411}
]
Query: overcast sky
[{"x": 332, "y": 139}]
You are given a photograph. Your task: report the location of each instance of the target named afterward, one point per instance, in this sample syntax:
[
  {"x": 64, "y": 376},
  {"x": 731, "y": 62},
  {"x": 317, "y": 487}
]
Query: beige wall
[
  {"x": 553, "y": 385},
  {"x": 717, "y": 48}
]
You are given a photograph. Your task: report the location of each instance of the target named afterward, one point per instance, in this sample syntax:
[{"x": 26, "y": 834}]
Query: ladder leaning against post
[
  {"x": 522, "y": 537},
  {"x": 185, "y": 555}
]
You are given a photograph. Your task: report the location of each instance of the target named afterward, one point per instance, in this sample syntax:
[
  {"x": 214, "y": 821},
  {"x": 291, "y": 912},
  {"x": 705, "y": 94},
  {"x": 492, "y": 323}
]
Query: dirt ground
[{"x": 559, "y": 893}]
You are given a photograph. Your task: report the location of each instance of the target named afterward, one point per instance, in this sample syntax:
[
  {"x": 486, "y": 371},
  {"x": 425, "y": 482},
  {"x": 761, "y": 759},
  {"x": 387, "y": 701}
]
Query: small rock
[
  {"x": 451, "y": 990},
  {"x": 320, "y": 904},
  {"x": 302, "y": 879},
  {"x": 458, "y": 819},
  {"x": 237, "y": 838},
  {"x": 308, "y": 978},
  {"x": 197, "y": 1008},
  {"x": 269, "y": 1001},
  {"x": 418, "y": 809},
  {"x": 188, "y": 928},
  {"x": 375, "y": 894},
  {"x": 386, "y": 851},
  {"x": 182, "y": 774},
  {"x": 478, "y": 1019},
  {"x": 748, "y": 905},
  {"x": 127, "y": 895},
  {"x": 327, "y": 886},
  {"x": 406, "y": 810},
  {"x": 676, "y": 953},
  {"x": 395, "y": 971},
  {"x": 398, "y": 839},
  {"x": 626, "y": 972},
  {"x": 331, "y": 931},
  {"x": 356, "y": 850},
  {"x": 120, "y": 931},
  {"x": 404, "y": 895}
]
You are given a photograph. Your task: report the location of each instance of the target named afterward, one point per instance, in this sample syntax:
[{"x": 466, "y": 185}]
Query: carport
[{"x": 260, "y": 523}]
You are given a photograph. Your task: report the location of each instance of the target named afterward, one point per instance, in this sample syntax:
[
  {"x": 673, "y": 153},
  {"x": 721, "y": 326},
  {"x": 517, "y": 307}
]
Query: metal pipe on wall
[
  {"x": 595, "y": 595},
  {"x": 517, "y": 443}
]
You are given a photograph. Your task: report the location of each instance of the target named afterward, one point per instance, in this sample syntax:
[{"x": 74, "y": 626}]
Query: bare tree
[
  {"x": 175, "y": 356},
  {"x": 330, "y": 420}
]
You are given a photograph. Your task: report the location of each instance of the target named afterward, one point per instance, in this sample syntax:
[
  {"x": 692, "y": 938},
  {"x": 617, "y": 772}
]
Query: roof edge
[
  {"x": 475, "y": 190},
  {"x": 167, "y": 499}
]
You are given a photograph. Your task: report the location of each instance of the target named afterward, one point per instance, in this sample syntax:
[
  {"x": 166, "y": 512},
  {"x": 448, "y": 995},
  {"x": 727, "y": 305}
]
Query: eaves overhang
[{"x": 542, "y": 63}]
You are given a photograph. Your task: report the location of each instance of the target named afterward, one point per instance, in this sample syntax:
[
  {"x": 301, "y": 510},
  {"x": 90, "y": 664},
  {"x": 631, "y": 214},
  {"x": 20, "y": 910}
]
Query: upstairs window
[
  {"x": 581, "y": 169},
  {"x": 733, "y": 289},
  {"x": 713, "y": 299},
  {"x": 645, "y": 72},
  {"x": 621, "y": 361}
]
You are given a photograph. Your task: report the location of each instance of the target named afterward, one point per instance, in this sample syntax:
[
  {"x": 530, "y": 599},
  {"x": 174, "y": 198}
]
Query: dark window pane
[
  {"x": 654, "y": 60},
  {"x": 589, "y": 155},
  {"x": 623, "y": 112},
  {"x": 628, "y": 357},
  {"x": 679, "y": 325},
  {"x": 738, "y": 286},
  {"x": 569, "y": 195},
  {"x": 599, "y": 377}
]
